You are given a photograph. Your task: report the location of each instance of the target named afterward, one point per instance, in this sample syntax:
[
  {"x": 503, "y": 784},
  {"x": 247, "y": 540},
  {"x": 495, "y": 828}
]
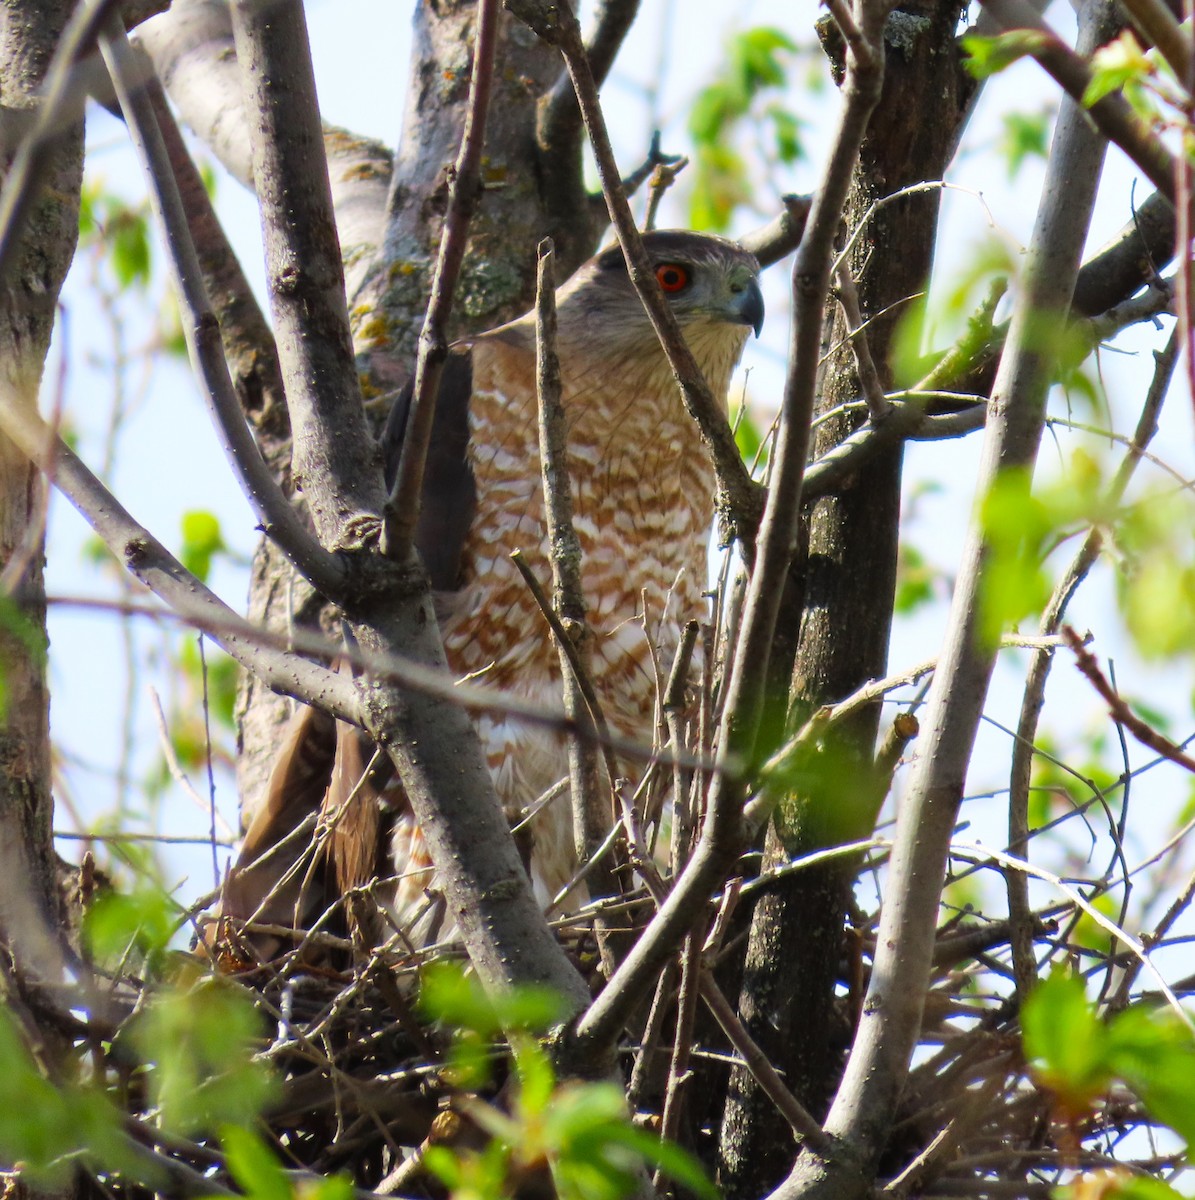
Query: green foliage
[
  {"x": 1121, "y": 65},
  {"x": 748, "y": 437},
  {"x": 1078, "y": 1056},
  {"x": 108, "y": 221},
  {"x": 1015, "y": 582},
  {"x": 756, "y": 63},
  {"x": 221, "y": 689},
  {"x": 1025, "y": 135},
  {"x": 580, "y": 1131},
  {"x": 1156, "y": 585},
  {"x": 202, "y": 541},
  {"x": 915, "y": 580},
  {"x": 47, "y": 1128},
  {"x": 141, "y": 921},
  {"x": 198, "y": 1039},
  {"x": 1021, "y": 525},
  {"x": 260, "y": 1176},
  {"x": 987, "y": 56}
]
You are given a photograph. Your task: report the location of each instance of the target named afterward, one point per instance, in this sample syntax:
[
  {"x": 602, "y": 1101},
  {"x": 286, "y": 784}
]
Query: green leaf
[
  {"x": 1114, "y": 66},
  {"x": 1014, "y": 583},
  {"x": 144, "y": 918},
  {"x": 915, "y": 580},
  {"x": 755, "y": 57},
  {"x": 128, "y": 239},
  {"x": 1025, "y": 135},
  {"x": 531, "y": 1008},
  {"x": 787, "y": 130},
  {"x": 988, "y": 56},
  {"x": 1153, "y": 1051},
  {"x": 253, "y": 1165},
  {"x": 713, "y": 108},
  {"x": 202, "y": 541},
  {"x": 46, "y": 1127},
  {"x": 199, "y": 1042},
  {"x": 720, "y": 184},
  {"x": 1065, "y": 1042},
  {"x": 448, "y": 994}
]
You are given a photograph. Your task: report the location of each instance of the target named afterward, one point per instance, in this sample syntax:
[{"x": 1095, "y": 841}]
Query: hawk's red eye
[{"x": 672, "y": 277}]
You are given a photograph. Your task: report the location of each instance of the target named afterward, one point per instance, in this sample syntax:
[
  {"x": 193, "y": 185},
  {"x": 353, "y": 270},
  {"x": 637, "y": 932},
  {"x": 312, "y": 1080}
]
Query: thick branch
[
  {"x": 892, "y": 1012},
  {"x": 1112, "y": 114},
  {"x": 431, "y": 741}
]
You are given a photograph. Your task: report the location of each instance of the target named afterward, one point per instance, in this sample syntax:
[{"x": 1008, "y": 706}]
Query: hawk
[{"x": 642, "y": 490}]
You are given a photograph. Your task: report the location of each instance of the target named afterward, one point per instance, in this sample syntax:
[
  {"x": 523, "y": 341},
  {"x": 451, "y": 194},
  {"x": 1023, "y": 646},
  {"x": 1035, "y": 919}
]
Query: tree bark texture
[
  {"x": 29, "y": 32},
  {"x": 796, "y": 943}
]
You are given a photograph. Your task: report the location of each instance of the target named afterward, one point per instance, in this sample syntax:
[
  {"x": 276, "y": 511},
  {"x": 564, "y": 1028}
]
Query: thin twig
[
  {"x": 593, "y": 723},
  {"x": 390, "y": 667},
  {"x": 683, "y": 822},
  {"x": 61, "y": 105},
  {"x": 1119, "y": 708},
  {"x": 464, "y": 192},
  {"x": 865, "y": 367},
  {"x": 722, "y": 828},
  {"x": 592, "y": 812},
  {"x": 682, "y": 1039},
  {"x": 738, "y": 496},
  {"x": 168, "y": 579},
  {"x": 756, "y": 1061},
  {"x": 662, "y": 178}
]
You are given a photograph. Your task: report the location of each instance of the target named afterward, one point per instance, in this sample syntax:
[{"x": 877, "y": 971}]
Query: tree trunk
[
  {"x": 29, "y": 32},
  {"x": 796, "y": 943}
]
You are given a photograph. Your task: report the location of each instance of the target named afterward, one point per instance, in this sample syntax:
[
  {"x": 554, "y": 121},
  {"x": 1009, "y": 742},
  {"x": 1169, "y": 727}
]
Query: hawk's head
[{"x": 708, "y": 281}]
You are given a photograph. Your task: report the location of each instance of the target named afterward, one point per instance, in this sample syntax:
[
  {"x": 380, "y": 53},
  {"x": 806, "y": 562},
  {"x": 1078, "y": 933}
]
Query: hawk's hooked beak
[{"x": 746, "y": 306}]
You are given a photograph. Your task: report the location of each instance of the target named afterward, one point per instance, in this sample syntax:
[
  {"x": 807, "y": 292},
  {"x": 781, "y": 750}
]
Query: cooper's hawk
[{"x": 642, "y": 490}]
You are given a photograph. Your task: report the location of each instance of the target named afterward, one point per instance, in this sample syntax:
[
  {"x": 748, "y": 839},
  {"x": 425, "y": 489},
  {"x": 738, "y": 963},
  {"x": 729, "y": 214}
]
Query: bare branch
[
  {"x": 279, "y": 520},
  {"x": 561, "y": 122},
  {"x": 1121, "y": 712},
  {"x": 781, "y": 236},
  {"x": 431, "y": 741},
  {"x": 663, "y": 176},
  {"x": 592, "y": 812},
  {"x": 869, "y": 378},
  {"x": 402, "y": 507},
  {"x": 1033, "y": 698},
  {"x": 165, "y": 576}
]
